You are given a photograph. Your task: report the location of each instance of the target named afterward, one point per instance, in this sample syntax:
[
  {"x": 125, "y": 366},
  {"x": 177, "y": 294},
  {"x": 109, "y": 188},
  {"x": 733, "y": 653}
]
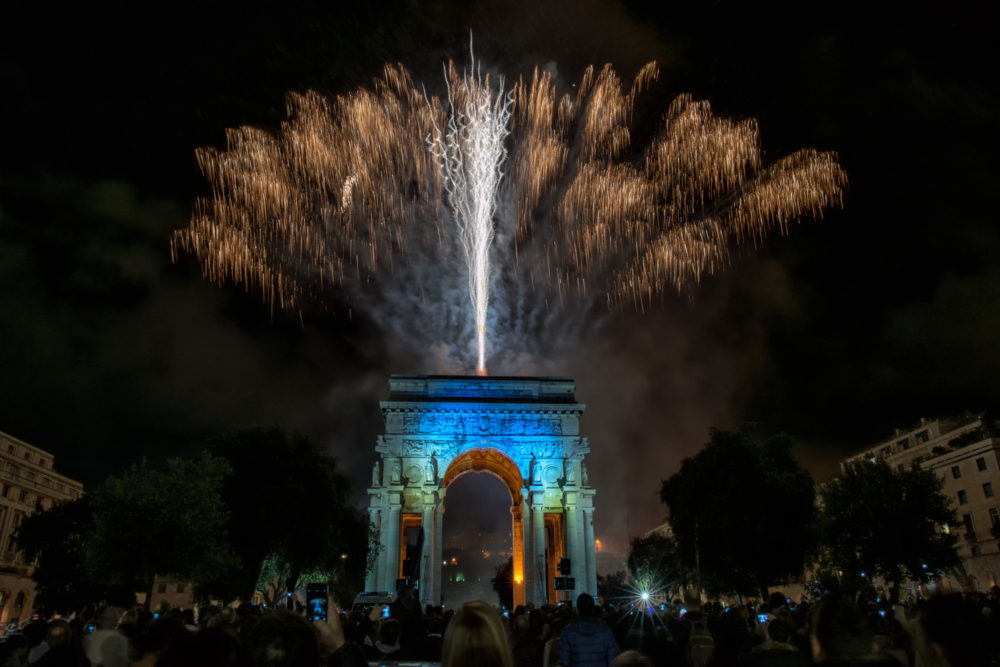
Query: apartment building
[
  {"x": 964, "y": 452},
  {"x": 27, "y": 483}
]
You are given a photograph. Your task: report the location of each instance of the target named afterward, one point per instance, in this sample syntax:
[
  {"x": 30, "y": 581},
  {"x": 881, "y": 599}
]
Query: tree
[
  {"x": 55, "y": 540},
  {"x": 147, "y": 523},
  {"x": 289, "y": 507},
  {"x": 877, "y": 521},
  {"x": 503, "y": 582},
  {"x": 742, "y": 511},
  {"x": 611, "y": 587},
  {"x": 654, "y": 563}
]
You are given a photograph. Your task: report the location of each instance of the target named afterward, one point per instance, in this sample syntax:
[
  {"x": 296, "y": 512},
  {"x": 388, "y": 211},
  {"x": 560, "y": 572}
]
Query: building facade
[
  {"x": 965, "y": 453},
  {"x": 27, "y": 483},
  {"x": 525, "y": 431}
]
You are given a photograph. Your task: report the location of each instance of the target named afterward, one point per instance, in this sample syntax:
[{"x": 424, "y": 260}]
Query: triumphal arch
[{"x": 524, "y": 430}]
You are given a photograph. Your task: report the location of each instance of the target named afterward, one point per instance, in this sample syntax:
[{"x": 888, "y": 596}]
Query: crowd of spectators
[{"x": 946, "y": 630}]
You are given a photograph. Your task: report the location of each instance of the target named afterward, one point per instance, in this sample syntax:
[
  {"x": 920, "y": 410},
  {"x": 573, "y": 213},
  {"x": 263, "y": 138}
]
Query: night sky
[{"x": 881, "y": 313}]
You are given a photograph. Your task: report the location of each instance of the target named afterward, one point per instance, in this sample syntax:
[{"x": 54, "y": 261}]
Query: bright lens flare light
[{"x": 645, "y": 596}]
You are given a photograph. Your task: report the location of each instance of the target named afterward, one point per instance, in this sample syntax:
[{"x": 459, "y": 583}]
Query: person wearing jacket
[{"x": 587, "y": 642}]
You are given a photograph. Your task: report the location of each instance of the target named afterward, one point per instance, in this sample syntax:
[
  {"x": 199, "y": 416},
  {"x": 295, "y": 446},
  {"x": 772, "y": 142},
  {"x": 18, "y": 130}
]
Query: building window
[
  {"x": 955, "y": 472},
  {"x": 27, "y": 456},
  {"x": 994, "y": 517},
  {"x": 41, "y": 462},
  {"x": 988, "y": 490},
  {"x": 904, "y": 443},
  {"x": 981, "y": 463},
  {"x": 181, "y": 587},
  {"x": 963, "y": 499},
  {"x": 22, "y": 496},
  {"x": 967, "y": 520},
  {"x": 923, "y": 436},
  {"x": 11, "y": 449},
  {"x": 163, "y": 588}
]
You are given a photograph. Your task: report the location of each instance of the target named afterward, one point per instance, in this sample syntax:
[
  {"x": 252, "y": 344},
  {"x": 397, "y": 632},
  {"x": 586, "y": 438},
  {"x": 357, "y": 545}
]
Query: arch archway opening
[
  {"x": 477, "y": 537},
  {"x": 475, "y": 483}
]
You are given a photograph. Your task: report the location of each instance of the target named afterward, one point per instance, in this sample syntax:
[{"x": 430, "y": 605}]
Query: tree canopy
[
  {"x": 880, "y": 521},
  {"x": 152, "y": 522},
  {"x": 742, "y": 511},
  {"x": 55, "y": 540},
  {"x": 289, "y": 506},
  {"x": 261, "y": 506},
  {"x": 654, "y": 563}
]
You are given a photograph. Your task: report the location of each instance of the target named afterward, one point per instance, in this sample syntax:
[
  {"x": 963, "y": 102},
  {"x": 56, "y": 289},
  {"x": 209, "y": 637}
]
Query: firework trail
[
  {"x": 355, "y": 201},
  {"x": 470, "y": 154}
]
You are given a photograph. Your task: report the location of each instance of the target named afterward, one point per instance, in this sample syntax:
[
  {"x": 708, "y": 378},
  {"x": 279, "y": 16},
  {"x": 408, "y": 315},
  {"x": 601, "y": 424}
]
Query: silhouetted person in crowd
[
  {"x": 434, "y": 640},
  {"x": 386, "y": 641},
  {"x": 406, "y": 609},
  {"x": 776, "y": 650},
  {"x": 529, "y": 648},
  {"x": 34, "y": 633},
  {"x": 209, "y": 647},
  {"x": 953, "y": 632},
  {"x": 476, "y": 638},
  {"x": 155, "y": 638},
  {"x": 283, "y": 639},
  {"x": 587, "y": 642},
  {"x": 699, "y": 642},
  {"x": 107, "y": 646},
  {"x": 631, "y": 659},
  {"x": 14, "y": 651},
  {"x": 839, "y": 635},
  {"x": 64, "y": 649}
]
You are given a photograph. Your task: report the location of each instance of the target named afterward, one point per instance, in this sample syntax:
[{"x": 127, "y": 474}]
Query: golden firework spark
[{"x": 347, "y": 197}]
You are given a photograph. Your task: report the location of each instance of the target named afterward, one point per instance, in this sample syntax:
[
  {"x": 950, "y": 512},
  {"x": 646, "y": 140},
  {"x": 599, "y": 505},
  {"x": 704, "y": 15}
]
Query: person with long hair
[{"x": 476, "y": 638}]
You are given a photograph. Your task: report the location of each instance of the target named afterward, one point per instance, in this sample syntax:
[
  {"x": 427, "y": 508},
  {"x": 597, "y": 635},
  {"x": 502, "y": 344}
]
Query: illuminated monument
[{"x": 526, "y": 431}]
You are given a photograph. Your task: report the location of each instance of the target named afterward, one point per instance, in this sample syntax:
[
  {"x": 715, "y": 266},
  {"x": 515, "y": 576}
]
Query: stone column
[
  {"x": 529, "y": 550},
  {"x": 588, "y": 550},
  {"x": 383, "y": 540},
  {"x": 426, "y": 561},
  {"x": 436, "y": 552},
  {"x": 574, "y": 543},
  {"x": 391, "y": 573},
  {"x": 541, "y": 569},
  {"x": 517, "y": 518},
  {"x": 371, "y": 578}
]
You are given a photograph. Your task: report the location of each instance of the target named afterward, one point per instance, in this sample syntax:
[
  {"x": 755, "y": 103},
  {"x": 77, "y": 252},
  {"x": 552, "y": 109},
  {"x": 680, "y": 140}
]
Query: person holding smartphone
[{"x": 335, "y": 650}]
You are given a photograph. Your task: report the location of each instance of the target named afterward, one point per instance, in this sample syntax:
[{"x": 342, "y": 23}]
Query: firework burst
[{"x": 374, "y": 199}]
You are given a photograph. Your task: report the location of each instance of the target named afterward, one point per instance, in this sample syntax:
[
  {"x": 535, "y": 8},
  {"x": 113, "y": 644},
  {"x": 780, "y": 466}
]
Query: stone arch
[
  {"x": 523, "y": 430},
  {"x": 487, "y": 459}
]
